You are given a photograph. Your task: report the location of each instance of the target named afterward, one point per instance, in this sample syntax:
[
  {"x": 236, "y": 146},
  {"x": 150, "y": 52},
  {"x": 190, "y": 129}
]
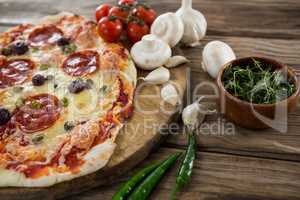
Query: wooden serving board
[{"x": 138, "y": 137}]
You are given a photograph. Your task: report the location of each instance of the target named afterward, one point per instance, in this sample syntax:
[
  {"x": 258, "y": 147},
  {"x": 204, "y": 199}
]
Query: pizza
[{"x": 64, "y": 97}]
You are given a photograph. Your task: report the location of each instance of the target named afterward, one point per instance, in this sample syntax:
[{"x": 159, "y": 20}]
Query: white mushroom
[
  {"x": 150, "y": 53},
  {"x": 195, "y": 24},
  {"x": 216, "y": 54},
  {"x": 168, "y": 27}
]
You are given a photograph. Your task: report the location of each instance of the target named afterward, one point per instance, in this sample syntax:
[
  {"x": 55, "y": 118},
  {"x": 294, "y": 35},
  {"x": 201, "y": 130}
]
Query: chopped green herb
[
  {"x": 44, "y": 67},
  {"x": 18, "y": 89},
  {"x": 103, "y": 90},
  {"x": 68, "y": 49},
  {"x": 89, "y": 83},
  {"x": 6, "y": 51},
  {"x": 37, "y": 139},
  {"x": 34, "y": 49},
  {"x": 258, "y": 83},
  {"x": 19, "y": 102},
  {"x": 36, "y": 105},
  {"x": 55, "y": 85},
  {"x": 65, "y": 102}
]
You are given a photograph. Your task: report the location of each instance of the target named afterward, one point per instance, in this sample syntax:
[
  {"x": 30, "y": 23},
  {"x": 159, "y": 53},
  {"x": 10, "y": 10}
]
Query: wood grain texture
[
  {"x": 252, "y": 27},
  {"x": 222, "y": 177},
  {"x": 255, "y": 18}
]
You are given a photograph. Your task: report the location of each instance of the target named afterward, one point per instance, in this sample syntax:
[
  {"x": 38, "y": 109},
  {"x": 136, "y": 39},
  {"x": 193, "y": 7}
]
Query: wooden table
[{"x": 246, "y": 165}]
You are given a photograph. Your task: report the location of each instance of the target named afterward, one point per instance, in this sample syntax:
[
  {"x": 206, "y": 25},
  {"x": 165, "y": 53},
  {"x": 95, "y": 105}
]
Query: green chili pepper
[
  {"x": 146, "y": 187},
  {"x": 186, "y": 168},
  {"x": 125, "y": 191}
]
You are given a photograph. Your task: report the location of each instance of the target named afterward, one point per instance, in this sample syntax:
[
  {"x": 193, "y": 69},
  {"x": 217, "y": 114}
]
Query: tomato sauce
[
  {"x": 36, "y": 171},
  {"x": 72, "y": 160},
  {"x": 7, "y": 129}
]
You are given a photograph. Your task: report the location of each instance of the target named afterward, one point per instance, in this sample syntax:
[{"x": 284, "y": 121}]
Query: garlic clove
[
  {"x": 175, "y": 61},
  {"x": 169, "y": 94},
  {"x": 215, "y": 55},
  {"x": 169, "y": 27},
  {"x": 150, "y": 53},
  {"x": 195, "y": 24},
  {"x": 158, "y": 76}
]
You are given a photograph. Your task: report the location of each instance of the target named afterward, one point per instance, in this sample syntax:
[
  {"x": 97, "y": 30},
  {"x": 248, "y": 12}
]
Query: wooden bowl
[{"x": 242, "y": 112}]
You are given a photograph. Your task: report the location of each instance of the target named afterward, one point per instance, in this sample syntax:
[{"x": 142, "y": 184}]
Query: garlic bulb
[
  {"x": 150, "y": 53},
  {"x": 158, "y": 76},
  {"x": 195, "y": 24},
  {"x": 190, "y": 115},
  {"x": 216, "y": 54},
  {"x": 169, "y": 94},
  {"x": 168, "y": 27},
  {"x": 194, "y": 114},
  {"x": 175, "y": 61}
]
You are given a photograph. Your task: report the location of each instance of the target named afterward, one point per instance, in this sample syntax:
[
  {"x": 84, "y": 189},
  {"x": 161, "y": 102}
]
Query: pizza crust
[
  {"x": 95, "y": 159},
  {"x": 131, "y": 72}
]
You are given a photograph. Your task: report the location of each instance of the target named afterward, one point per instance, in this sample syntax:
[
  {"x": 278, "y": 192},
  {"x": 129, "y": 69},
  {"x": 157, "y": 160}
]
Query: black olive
[
  {"x": 6, "y": 51},
  {"x": 77, "y": 86},
  {"x": 38, "y": 80},
  {"x": 63, "y": 42},
  {"x": 19, "y": 47},
  {"x": 68, "y": 126},
  {"x": 4, "y": 116}
]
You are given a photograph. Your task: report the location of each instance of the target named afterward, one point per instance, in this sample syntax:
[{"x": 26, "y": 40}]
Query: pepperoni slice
[
  {"x": 81, "y": 63},
  {"x": 15, "y": 71},
  {"x": 39, "y": 112},
  {"x": 7, "y": 129},
  {"x": 45, "y": 35}
]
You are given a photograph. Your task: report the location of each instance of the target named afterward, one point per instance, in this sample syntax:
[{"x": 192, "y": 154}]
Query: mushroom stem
[
  {"x": 186, "y": 4},
  {"x": 150, "y": 42}
]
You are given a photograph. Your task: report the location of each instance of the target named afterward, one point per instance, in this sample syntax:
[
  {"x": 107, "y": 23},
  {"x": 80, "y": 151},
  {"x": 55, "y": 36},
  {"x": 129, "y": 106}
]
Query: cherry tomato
[
  {"x": 110, "y": 28},
  {"x": 127, "y": 2},
  {"x": 102, "y": 11},
  {"x": 136, "y": 30},
  {"x": 145, "y": 13},
  {"x": 120, "y": 12}
]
